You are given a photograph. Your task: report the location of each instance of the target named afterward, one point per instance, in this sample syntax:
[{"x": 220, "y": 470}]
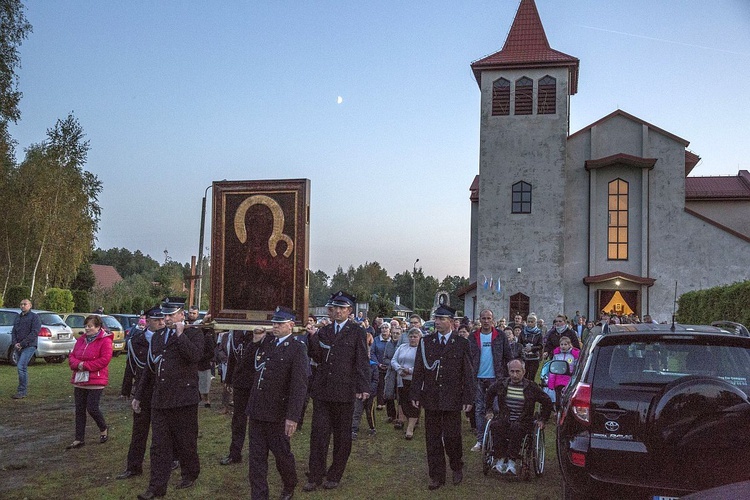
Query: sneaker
[
  {"x": 501, "y": 465},
  {"x": 511, "y": 469},
  {"x": 477, "y": 447}
]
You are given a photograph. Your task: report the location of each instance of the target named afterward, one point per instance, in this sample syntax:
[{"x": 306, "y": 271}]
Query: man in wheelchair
[{"x": 516, "y": 399}]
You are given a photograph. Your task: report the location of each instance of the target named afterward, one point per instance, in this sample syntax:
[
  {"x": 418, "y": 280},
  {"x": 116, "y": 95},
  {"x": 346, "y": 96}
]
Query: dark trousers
[
  {"x": 138, "y": 439},
  {"x": 87, "y": 400},
  {"x": 507, "y": 437},
  {"x": 390, "y": 405},
  {"x": 239, "y": 422},
  {"x": 532, "y": 366},
  {"x": 265, "y": 437},
  {"x": 443, "y": 437},
  {"x": 330, "y": 418},
  {"x": 403, "y": 397},
  {"x": 173, "y": 429}
]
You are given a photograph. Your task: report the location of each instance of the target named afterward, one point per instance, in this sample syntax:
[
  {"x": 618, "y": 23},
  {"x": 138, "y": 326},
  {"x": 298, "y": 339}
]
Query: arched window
[
  {"x": 617, "y": 227},
  {"x": 524, "y": 96},
  {"x": 521, "y": 198},
  {"x": 546, "y": 96},
  {"x": 519, "y": 304},
  {"x": 500, "y": 97}
]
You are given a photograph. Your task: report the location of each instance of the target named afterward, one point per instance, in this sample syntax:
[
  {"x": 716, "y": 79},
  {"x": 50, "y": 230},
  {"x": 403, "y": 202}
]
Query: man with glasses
[
  {"x": 26, "y": 328},
  {"x": 490, "y": 354}
]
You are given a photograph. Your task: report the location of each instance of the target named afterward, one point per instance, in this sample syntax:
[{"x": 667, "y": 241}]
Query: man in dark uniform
[
  {"x": 343, "y": 374},
  {"x": 442, "y": 384},
  {"x": 173, "y": 370},
  {"x": 275, "y": 405},
  {"x": 137, "y": 360},
  {"x": 240, "y": 370}
]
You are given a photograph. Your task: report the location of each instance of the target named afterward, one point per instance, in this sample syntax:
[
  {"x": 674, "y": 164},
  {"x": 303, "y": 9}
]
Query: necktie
[
  {"x": 442, "y": 340},
  {"x": 166, "y": 335},
  {"x": 338, "y": 328}
]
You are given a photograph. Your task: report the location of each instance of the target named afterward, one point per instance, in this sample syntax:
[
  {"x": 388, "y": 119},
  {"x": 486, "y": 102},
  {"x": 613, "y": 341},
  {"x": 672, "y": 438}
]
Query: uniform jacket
[
  {"x": 135, "y": 362},
  {"x": 343, "y": 365},
  {"x": 240, "y": 366},
  {"x": 173, "y": 369},
  {"x": 450, "y": 383},
  {"x": 25, "y": 329},
  {"x": 500, "y": 352},
  {"x": 532, "y": 394},
  {"x": 95, "y": 355},
  {"x": 280, "y": 381}
]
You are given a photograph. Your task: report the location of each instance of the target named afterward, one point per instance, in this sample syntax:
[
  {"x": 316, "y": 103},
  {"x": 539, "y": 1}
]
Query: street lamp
[
  {"x": 414, "y": 286},
  {"x": 200, "y": 249}
]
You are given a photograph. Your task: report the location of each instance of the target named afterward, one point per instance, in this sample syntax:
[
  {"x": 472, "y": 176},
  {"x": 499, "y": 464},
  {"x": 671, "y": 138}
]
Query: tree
[
  {"x": 85, "y": 279},
  {"x": 451, "y": 284},
  {"x": 319, "y": 289},
  {"x": 14, "y": 28},
  {"x": 128, "y": 263}
]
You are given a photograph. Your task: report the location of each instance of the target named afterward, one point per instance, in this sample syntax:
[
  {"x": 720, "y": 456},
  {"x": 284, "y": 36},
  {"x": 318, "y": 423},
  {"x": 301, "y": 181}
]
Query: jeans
[
  {"x": 24, "y": 357},
  {"x": 479, "y": 410}
]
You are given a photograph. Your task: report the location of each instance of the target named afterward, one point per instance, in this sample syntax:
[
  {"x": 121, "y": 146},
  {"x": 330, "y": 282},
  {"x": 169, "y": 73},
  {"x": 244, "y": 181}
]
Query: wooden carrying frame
[{"x": 260, "y": 238}]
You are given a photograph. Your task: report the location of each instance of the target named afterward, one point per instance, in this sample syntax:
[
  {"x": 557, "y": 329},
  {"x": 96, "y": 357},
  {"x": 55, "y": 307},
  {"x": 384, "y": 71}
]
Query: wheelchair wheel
[
  {"x": 539, "y": 452},
  {"x": 526, "y": 458},
  {"x": 488, "y": 459}
]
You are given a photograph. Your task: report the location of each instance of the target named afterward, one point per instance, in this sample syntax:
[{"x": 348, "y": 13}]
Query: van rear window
[{"x": 661, "y": 362}]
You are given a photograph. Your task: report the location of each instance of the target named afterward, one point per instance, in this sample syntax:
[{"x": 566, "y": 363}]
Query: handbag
[{"x": 81, "y": 377}]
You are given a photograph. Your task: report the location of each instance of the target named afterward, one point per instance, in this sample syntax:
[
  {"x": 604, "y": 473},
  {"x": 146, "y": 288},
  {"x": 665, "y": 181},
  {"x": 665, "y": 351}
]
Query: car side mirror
[{"x": 559, "y": 367}]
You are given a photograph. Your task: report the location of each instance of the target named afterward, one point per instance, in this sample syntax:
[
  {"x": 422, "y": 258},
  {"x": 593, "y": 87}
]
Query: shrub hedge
[{"x": 701, "y": 307}]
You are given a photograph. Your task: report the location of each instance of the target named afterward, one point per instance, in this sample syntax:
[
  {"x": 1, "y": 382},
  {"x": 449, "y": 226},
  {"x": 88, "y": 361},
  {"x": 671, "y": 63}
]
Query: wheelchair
[{"x": 531, "y": 455}]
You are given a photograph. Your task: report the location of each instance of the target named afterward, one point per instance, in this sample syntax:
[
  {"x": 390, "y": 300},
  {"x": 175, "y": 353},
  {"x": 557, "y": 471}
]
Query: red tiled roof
[
  {"x": 691, "y": 160},
  {"x": 599, "y": 278},
  {"x": 527, "y": 47},
  {"x": 106, "y": 276},
  {"x": 474, "y": 188},
  {"x": 736, "y": 187}
]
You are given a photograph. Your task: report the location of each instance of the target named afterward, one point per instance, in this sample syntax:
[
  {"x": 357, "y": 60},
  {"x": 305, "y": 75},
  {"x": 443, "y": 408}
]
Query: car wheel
[
  {"x": 115, "y": 354},
  {"x": 12, "y": 356},
  {"x": 54, "y": 359}
]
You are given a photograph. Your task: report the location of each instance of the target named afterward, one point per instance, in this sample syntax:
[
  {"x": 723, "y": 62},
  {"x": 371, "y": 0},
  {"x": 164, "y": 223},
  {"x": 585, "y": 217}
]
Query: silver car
[{"x": 54, "y": 343}]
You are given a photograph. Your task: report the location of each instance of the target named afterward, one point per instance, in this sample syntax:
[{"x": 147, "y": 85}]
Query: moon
[{"x": 339, "y": 100}]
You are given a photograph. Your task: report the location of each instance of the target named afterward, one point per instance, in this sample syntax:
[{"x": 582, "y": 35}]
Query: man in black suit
[
  {"x": 137, "y": 359},
  {"x": 442, "y": 384},
  {"x": 173, "y": 371},
  {"x": 275, "y": 405},
  {"x": 343, "y": 374}
]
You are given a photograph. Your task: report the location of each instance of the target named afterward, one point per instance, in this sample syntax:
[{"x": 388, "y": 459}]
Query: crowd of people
[{"x": 395, "y": 371}]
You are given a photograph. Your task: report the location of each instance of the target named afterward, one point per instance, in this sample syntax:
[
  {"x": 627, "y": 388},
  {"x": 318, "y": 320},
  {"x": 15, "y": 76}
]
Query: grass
[{"x": 34, "y": 463}]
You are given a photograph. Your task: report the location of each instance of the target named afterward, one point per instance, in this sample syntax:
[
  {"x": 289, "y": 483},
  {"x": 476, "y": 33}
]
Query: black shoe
[
  {"x": 128, "y": 474},
  {"x": 330, "y": 485},
  {"x": 207, "y": 405},
  {"x": 185, "y": 483},
  {"x": 103, "y": 438},
  {"x": 434, "y": 484},
  {"x": 230, "y": 460},
  {"x": 286, "y": 496},
  {"x": 175, "y": 464},
  {"x": 148, "y": 495},
  {"x": 75, "y": 444},
  {"x": 458, "y": 476},
  {"x": 310, "y": 486},
  {"x": 398, "y": 425}
]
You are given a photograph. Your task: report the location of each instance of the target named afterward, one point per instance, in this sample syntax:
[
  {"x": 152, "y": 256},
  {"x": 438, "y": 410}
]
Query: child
[{"x": 565, "y": 352}]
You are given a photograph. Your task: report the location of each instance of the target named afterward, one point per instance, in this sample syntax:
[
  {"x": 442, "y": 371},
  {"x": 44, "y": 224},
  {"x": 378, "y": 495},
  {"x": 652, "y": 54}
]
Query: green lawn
[{"x": 34, "y": 462}]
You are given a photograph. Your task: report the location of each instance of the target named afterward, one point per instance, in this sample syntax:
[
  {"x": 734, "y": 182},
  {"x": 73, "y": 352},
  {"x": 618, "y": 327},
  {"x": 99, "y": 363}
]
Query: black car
[{"x": 656, "y": 411}]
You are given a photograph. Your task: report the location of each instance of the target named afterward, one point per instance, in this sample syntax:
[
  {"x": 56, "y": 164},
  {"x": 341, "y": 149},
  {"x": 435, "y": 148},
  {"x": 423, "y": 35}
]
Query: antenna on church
[{"x": 674, "y": 305}]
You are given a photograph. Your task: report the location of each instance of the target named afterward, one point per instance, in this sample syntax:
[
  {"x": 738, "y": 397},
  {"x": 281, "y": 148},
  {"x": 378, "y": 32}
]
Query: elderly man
[
  {"x": 172, "y": 371},
  {"x": 442, "y": 384},
  {"x": 24, "y": 340},
  {"x": 275, "y": 405},
  {"x": 340, "y": 349}
]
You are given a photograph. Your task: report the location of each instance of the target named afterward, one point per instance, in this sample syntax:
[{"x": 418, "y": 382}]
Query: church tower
[{"x": 518, "y": 251}]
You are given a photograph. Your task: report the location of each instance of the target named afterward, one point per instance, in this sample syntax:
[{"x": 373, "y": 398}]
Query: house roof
[
  {"x": 718, "y": 187},
  {"x": 621, "y": 159},
  {"x": 691, "y": 160},
  {"x": 106, "y": 276},
  {"x": 461, "y": 292},
  {"x": 619, "y": 112},
  {"x": 527, "y": 47},
  {"x": 474, "y": 188},
  {"x": 600, "y": 278}
]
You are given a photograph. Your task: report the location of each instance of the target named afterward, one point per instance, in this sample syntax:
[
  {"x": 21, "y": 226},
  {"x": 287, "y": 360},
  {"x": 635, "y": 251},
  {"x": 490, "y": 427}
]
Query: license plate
[
  {"x": 63, "y": 336},
  {"x": 659, "y": 497},
  {"x": 118, "y": 345}
]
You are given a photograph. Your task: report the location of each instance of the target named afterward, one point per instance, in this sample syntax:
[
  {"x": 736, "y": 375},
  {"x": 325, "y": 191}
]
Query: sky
[{"x": 175, "y": 95}]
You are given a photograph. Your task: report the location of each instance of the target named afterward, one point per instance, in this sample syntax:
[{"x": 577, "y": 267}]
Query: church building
[{"x": 605, "y": 218}]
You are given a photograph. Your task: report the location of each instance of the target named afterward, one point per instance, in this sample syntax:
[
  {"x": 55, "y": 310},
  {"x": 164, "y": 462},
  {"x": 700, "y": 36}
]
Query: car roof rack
[{"x": 733, "y": 327}]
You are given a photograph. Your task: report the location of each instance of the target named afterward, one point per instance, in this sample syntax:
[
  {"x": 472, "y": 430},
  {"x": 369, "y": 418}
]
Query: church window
[
  {"x": 524, "y": 96},
  {"x": 546, "y": 96},
  {"x": 521, "y": 198},
  {"x": 617, "y": 227},
  {"x": 500, "y": 97}
]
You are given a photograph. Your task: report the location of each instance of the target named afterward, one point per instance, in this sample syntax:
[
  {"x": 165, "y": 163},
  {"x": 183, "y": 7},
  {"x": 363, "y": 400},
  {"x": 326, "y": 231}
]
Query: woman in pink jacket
[{"x": 89, "y": 361}]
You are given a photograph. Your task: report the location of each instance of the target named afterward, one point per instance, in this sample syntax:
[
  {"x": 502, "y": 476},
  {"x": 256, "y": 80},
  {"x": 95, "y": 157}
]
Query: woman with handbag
[{"x": 89, "y": 362}]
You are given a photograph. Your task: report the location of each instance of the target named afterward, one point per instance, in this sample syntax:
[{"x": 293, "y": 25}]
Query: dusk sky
[{"x": 174, "y": 95}]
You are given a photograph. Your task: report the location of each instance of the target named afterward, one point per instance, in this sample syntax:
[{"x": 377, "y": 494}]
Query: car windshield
[
  {"x": 111, "y": 323},
  {"x": 51, "y": 319},
  {"x": 7, "y": 318},
  {"x": 660, "y": 362}
]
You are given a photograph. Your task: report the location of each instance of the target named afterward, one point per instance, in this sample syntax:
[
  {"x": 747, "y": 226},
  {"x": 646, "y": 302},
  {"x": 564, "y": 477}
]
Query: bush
[
  {"x": 16, "y": 294},
  {"x": 719, "y": 303},
  {"x": 58, "y": 300},
  {"x": 81, "y": 301}
]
